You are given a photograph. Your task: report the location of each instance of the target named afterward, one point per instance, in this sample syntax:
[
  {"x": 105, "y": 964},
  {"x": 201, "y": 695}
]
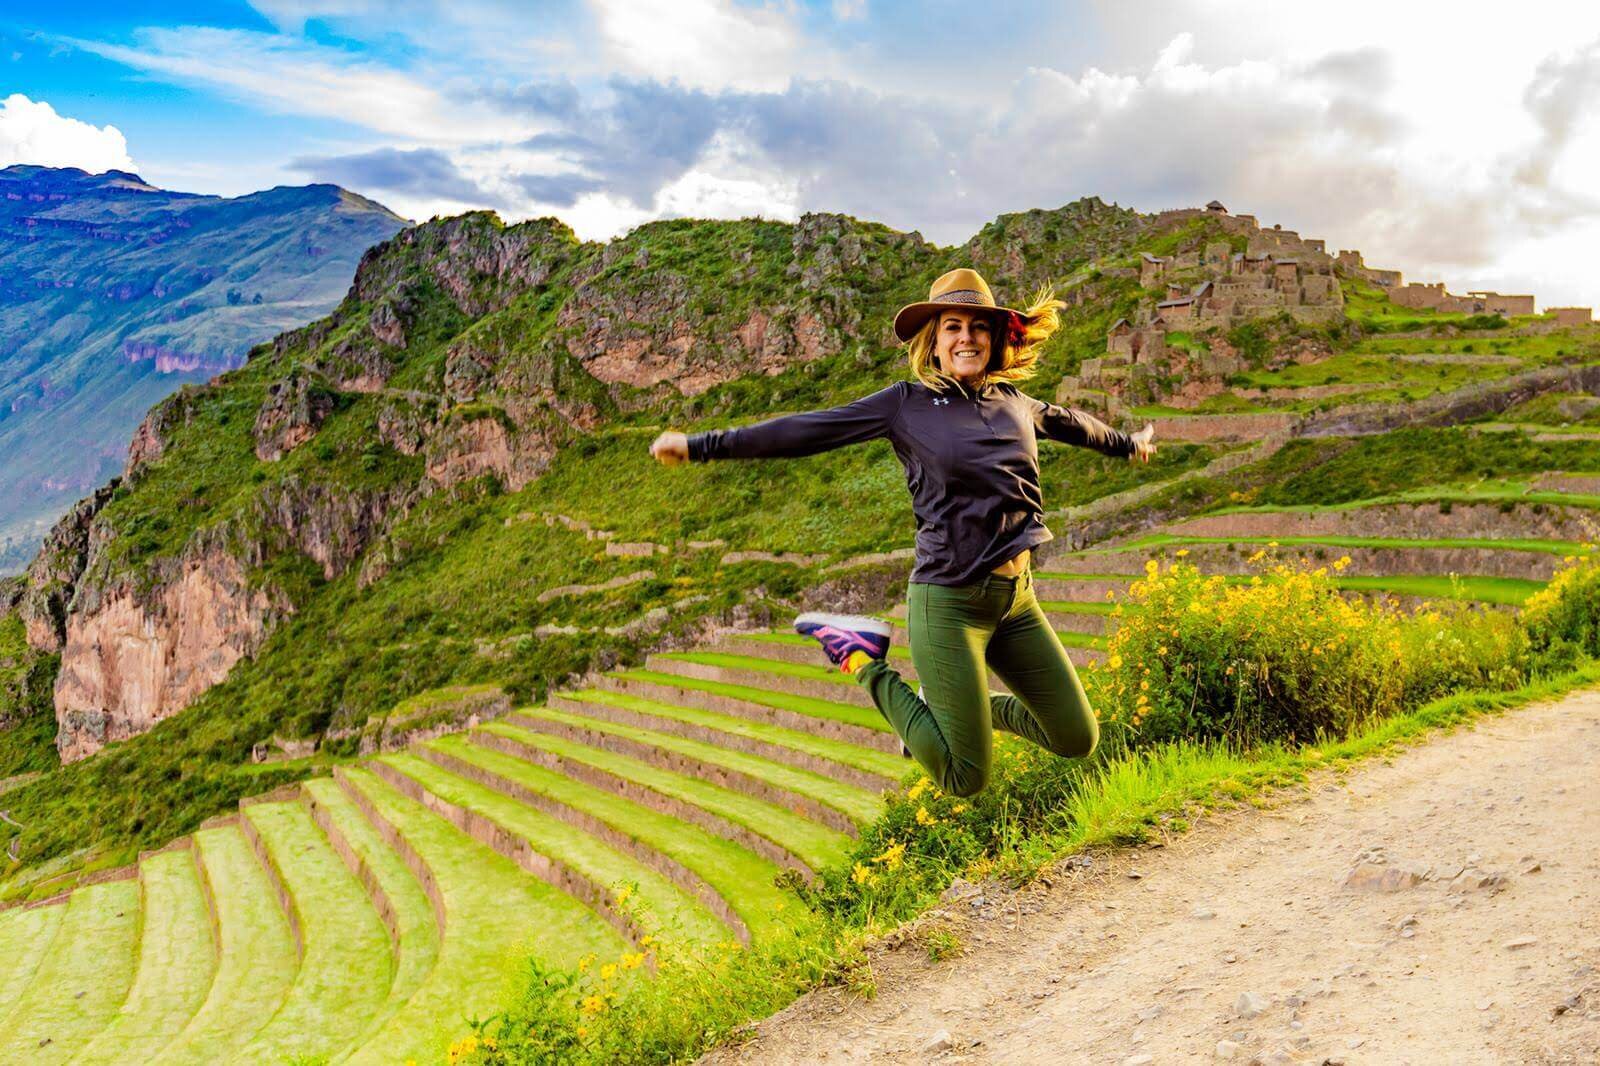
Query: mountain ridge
[{"x": 112, "y": 291}]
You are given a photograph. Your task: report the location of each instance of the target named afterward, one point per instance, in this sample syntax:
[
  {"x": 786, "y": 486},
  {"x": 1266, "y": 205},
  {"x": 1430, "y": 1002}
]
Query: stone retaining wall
[
  {"x": 1412, "y": 521},
  {"x": 1378, "y": 562},
  {"x": 679, "y": 763},
  {"x": 286, "y": 900},
  {"x": 636, "y": 849},
  {"x": 358, "y": 867},
  {"x": 800, "y": 760},
  {"x": 547, "y": 868},
  {"x": 645, "y": 797},
  {"x": 395, "y": 839}
]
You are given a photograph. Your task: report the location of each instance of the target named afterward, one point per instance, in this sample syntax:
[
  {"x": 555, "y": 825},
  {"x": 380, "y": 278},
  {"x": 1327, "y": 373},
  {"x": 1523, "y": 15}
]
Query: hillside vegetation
[{"x": 459, "y": 645}]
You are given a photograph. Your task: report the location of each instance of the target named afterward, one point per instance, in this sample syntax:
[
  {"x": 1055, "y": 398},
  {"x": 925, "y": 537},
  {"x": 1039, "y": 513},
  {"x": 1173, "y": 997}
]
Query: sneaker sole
[{"x": 856, "y": 622}]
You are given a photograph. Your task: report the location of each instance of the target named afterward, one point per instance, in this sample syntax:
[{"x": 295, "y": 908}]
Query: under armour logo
[{"x": 941, "y": 401}]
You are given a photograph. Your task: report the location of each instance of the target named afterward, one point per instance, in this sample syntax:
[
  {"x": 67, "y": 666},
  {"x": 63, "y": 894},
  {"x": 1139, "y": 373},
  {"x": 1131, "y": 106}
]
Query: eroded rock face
[
  {"x": 293, "y": 411},
  {"x": 469, "y": 448},
  {"x": 155, "y": 432},
  {"x": 126, "y": 664},
  {"x": 53, "y": 576}
]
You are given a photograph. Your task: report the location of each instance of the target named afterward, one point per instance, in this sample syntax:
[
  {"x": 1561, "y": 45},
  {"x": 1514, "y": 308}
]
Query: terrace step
[
  {"x": 1081, "y": 648},
  {"x": 775, "y": 675},
  {"x": 397, "y": 897},
  {"x": 177, "y": 961},
  {"x": 1084, "y": 589},
  {"x": 25, "y": 937},
  {"x": 861, "y": 767},
  {"x": 1064, "y": 619},
  {"x": 839, "y": 807},
  {"x": 256, "y": 958},
  {"x": 734, "y": 884},
  {"x": 823, "y": 718},
  {"x": 782, "y": 837},
  {"x": 82, "y": 980},
  {"x": 1528, "y": 560},
  {"x": 346, "y": 964},
  {"x": 567, "y": 857},
  {"x": 491, "y": 913}
]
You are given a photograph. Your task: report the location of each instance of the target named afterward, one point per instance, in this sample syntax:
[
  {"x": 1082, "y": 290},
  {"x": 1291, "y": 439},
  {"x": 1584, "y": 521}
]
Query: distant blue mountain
[{"x": 114, "y": 292}]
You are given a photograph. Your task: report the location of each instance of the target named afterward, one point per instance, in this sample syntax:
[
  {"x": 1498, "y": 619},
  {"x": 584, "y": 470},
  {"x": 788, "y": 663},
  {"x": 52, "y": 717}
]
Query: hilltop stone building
[
  {"x": 1217, "y": 287},
  {"x": 1432, "y": 296}
]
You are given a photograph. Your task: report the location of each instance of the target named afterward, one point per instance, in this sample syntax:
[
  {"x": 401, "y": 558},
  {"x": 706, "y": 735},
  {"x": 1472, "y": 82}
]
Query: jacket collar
[{"x": 985, "y": 389}]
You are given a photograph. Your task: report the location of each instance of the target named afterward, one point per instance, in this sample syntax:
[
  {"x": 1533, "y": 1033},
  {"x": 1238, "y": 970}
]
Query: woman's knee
[
  {"x": 963, "y": 778},
  {"x": 1090, "y": 738}
]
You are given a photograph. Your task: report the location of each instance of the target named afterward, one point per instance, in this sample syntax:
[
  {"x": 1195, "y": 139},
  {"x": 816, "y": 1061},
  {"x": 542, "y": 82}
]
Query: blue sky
[{"x": 1432, "y": 144}]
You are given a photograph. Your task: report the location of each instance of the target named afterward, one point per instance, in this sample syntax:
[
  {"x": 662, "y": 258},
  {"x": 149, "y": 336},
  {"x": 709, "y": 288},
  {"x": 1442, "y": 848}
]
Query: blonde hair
[{"x": 1007, "y": 363}]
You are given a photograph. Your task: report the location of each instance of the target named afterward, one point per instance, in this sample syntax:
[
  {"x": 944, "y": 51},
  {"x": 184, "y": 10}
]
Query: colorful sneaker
[{"x": 843, "y": 634}]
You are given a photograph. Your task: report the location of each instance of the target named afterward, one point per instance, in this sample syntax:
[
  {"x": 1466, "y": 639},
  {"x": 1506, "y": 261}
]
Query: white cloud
[
  {"x": 703, "y": 44},
  {"x": 32, "y": 132},
  {"x": 293, "y": 76}
]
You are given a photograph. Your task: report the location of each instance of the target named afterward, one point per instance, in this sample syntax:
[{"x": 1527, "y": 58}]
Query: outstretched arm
[
  {"x": 791, "y": 436},
  {"x": 1072, "y": 426}
]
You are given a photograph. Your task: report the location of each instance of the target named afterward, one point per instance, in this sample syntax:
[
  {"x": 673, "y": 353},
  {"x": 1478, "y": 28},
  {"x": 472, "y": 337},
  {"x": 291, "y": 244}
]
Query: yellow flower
[
  {"x": 632, "y": 960},
  {"x": 958, "y": 808},
  {"x": 1272, "y": 544},
  {"x": 623, "y": 892},
  {"x": 1161, "y": 650},
  {"x": 1115, "y": 662},
  {"x": 593, "y": 1004},
  {"x": 582, "y": 1031},
  {"x": 861, "y": 874},
  {"x": 924, "y": 818},
  {"x": 467, "y": 1045},
  {"x": 1144, "y": 686},
  {"x": 608, "y": 971},
  {"x": 646, "y": 940},
  {"x": 1342, "y": 562},
  {"x": 1181, "y": 552},
  {"x": 892, "y": 855},
  {"x": 583, "y": 963}
]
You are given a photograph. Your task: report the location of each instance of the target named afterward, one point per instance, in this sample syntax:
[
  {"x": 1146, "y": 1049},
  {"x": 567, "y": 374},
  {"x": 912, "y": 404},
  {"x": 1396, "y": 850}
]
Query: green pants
[{"x": 955, "y": 632}]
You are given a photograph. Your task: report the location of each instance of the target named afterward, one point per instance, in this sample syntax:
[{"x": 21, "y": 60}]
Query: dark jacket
[{"x": 971, "y": 461}]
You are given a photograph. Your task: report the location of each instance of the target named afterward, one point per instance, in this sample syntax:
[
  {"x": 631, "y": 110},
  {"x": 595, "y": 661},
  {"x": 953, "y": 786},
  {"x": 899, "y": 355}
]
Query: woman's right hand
[{"x": 671, "y": 448}]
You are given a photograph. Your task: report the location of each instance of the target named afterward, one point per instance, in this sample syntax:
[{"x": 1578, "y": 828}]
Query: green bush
[
  {"x": 1284, "y": 657},
  {"x": 1563, "y": 618}
]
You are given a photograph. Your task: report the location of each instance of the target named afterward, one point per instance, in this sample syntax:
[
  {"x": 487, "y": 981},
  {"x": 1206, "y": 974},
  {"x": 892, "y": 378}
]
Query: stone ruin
[
  {"x": 1217, "y": 288},
  {"x": 1432, "y": 296}
]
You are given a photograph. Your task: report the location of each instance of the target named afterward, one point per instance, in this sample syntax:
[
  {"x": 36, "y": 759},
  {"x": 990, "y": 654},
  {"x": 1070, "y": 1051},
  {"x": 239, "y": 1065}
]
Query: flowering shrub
[
  {"x": 1563, "y": 618},
  {"x": 1283, "y": 656},
  {"x": 1452, "y": 645}
]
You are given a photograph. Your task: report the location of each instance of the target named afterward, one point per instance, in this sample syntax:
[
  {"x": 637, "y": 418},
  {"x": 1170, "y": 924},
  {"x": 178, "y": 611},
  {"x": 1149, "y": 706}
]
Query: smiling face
[{"x": 962, "y": 342}]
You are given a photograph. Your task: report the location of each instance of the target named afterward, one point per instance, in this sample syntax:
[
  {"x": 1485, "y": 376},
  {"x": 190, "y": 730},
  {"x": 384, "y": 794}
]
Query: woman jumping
[{"x": 967, "y": 437}]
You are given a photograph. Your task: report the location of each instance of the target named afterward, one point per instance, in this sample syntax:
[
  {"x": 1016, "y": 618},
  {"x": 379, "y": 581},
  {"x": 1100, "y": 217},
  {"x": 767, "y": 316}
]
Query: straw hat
[{"x": 961, "y": 290}]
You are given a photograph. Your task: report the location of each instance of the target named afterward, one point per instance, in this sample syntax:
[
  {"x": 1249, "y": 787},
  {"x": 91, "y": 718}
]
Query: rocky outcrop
[
  {"x": 151, "y": 439},
  {"x": 484, "y": 442},
  {"x": 52, "y": 579},
  {"x": 1459, "y": 405},
  {"x": 293, "y": 411},
  {"x": 128, "y": 662}
]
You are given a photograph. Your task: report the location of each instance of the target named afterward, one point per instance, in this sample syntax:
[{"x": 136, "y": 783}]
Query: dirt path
[{"x": 1242, "y": 941}]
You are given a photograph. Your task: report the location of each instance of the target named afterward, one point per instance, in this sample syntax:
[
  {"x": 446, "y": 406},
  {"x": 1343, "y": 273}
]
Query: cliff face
[
  {"x": 127, "y": 664},
  {"x": 464, "y": 350}
]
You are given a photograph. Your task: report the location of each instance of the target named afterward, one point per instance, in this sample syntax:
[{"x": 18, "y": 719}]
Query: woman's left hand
[{"x": 1143, "y": 444}]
